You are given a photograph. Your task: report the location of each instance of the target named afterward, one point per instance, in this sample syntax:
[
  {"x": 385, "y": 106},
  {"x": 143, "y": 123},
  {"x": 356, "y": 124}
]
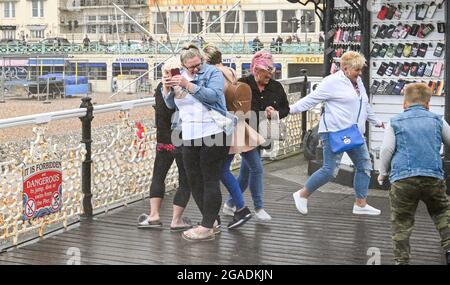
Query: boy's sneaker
[
  {"x": 227, "y": 210},
  {"x": 366, "y": 210},
  {"x": 240, "y": 218},
  {"x": 262, "y": 216}
]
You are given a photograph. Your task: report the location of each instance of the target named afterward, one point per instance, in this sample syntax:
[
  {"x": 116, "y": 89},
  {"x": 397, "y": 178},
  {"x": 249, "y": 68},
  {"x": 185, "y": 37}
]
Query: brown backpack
[{"x": 237, "y": 94}]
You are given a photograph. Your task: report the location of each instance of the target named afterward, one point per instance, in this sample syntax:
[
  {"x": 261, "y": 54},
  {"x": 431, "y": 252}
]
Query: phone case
[
  {"x": 439, "y": 50},
  {"x": 398, "y": 69},
  {"x": 399, "y": 50},
  {"x": 415, "y": 50},
  {"x": 422, "y": 50},
  {"x": 397, "y": 31},
  {"x": 374, "y": 88},
  {"x": 431, "y": 10},
  {"x": 382, "y": 69},
  {"x": 390, "y": 69},
  {"x": 437, "y": 69},
  {"x": 414, "y": 30},
  {"x": 407, "y": 12},
  {"x": 391, "y": 11},
  {"x": 389, "y": 31},
  {"x": 381, "y": 31},
  {"x": 441, "y": 28},
  {"x": 375, "y": 50},
  {"x": 383, "y": 12},
  {"x": 381, "y": 90},
  {"x": 426, "y": 30},
  {"x": 383, "y": 50},
  {"x": 407, "y": 50},
  {"x": 439, "y": 88},
  {"x": 399, "y": 87},
  {"x": 421, "y": 11},
  {"x": 413, "y": 69},
  {"x": 432, "y": 85},
  {"x": 405, "y": 32},
  {"x": 391, "y": 51},
  {"x": 398, "y": 13},
  {"x": 390, "y": 88},
  {"x": 421, "y": 69},
  {"x": 405, "y": 69}
]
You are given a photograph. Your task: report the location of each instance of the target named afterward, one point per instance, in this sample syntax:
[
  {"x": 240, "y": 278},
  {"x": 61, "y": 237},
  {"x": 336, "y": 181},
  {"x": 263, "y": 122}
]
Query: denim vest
[
  {"x": 418, "y": 140},
  {"x": 209, "y": 91}
]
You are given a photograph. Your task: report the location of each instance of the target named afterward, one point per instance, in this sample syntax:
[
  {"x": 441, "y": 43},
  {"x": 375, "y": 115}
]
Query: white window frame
[
  {"x": 39, "y": 8},
  {"x": 216, "y": 24},
  {"x": 248, "y": 22},
  {"x": 9, "y": 9},
  {"x": 236, "y": 26},
  {"x": 271, "y": 22}
]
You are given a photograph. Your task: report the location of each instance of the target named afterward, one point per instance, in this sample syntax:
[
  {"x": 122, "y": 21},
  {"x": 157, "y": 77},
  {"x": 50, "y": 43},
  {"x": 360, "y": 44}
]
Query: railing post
[
  {"x": 304, "y": 72},
  {"x": 86, "y": 166}
]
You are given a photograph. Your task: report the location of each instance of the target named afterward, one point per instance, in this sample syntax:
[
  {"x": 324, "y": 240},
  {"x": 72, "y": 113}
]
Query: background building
[{"x": 30, "y": 20}]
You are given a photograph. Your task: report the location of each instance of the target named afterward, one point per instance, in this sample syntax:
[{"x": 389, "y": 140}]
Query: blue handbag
[{"x": 345, "y": 139}]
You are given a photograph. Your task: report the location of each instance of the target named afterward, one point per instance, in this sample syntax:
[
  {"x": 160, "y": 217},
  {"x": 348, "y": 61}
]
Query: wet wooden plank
[{"x": 330, "y": 234}]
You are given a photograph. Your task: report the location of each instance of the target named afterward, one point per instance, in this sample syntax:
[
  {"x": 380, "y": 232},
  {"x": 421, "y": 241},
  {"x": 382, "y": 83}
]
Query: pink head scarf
[{"x": 261, "y": 60}]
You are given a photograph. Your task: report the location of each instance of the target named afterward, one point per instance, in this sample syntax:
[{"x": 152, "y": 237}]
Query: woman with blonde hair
[
  {"x": 346, "y": 103},
  {"x": 206, "y": 127}
]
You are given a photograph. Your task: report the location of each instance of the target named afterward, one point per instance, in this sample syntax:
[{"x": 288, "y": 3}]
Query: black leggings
[
  {"x": 162, "y": 164},
  {"x": 203, "y": 166}
]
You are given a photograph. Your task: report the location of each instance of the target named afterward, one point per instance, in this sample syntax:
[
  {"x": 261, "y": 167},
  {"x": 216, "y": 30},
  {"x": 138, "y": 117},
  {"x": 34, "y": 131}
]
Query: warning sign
[{"x": 42, "y": 189}]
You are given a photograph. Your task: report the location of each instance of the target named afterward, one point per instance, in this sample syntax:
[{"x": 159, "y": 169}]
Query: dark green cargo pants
[{"x": 404, "y": 196}]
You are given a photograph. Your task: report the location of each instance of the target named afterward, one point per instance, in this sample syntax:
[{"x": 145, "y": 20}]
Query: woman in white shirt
[
  {"x": 346, "y": 103},
  {"x": 205, "y": 126}
]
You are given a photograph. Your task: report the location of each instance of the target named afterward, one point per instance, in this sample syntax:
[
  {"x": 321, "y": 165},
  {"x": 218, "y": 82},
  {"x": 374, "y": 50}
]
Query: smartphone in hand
[{"x": 175, "y": 71}]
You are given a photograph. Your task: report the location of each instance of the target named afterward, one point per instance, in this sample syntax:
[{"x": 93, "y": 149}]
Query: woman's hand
[
  {"x": 269, "y": 112},
  {"x": 167, "y": 82},
  {"x": 179, "y": 80}
]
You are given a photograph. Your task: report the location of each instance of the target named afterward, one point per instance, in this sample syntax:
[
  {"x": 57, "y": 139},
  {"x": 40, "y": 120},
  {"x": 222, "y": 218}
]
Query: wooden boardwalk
[{"x": 330, "y": 234}]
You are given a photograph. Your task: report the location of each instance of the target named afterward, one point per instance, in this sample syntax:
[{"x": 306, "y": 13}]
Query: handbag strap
[{"x": 359, "y": 112}]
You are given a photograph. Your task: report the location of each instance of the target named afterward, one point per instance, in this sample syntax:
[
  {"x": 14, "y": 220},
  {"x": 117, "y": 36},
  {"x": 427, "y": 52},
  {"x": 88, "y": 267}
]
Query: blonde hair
[
  {"x": 189, "y": 52},
  {"x": 417, "y": 93},
  {"x": 353, "y": 60},
  {"x": 173, "y": 62},
  {"x": 212, "y": 54}
]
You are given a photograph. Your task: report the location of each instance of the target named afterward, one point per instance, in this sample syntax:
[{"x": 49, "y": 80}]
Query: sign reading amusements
[{"x": 42, "y": 189}]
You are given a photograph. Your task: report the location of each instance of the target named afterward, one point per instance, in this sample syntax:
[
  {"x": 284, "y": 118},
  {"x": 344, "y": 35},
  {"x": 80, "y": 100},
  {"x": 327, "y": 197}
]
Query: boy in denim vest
[{"x": 411, "y": 153}]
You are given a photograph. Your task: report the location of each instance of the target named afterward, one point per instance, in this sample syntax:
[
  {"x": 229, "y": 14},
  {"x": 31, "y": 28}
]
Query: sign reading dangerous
[{"x": 42, "y": 189}]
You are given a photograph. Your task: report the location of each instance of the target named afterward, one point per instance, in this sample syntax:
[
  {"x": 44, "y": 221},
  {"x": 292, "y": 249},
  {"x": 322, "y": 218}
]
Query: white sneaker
[
  {"x": 300, "y": 203},
  {"x": 366, "y": 210},
  {"x": 262, "y": 216},
  {"x": 227, "y": 210}
]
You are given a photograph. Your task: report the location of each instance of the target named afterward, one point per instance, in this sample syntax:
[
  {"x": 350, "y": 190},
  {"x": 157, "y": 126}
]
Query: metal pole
[
  {"x": 87, "y": 163},
  {"x": 2, "y": 99},
  {"x": 304, "y": 72},
  {"x": 365, "y": 24},
  {"x": 328, "y": 37},
  {"x": 447, "y": 98},
  {"x": 48, "y": 91}
]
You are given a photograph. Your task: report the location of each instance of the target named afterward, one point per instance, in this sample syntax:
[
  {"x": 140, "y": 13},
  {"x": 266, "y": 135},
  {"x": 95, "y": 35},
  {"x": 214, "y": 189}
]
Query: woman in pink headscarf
[{"x": 268, "y": 98}]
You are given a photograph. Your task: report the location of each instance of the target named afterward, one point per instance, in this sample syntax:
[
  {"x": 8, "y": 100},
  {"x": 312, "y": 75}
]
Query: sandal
[
  {"x": 144, "y": 223},
  {"x": 187, "y": 224},
  {"x": 192, "y": 235}
]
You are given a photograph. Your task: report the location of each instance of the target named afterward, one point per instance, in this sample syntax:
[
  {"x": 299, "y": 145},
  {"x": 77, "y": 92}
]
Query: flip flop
[{"x": 143, "y": 223}]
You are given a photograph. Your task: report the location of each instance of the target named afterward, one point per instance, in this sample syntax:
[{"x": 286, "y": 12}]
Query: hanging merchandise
[
  {"x": 407, "y": 45},
  {"x": 346, "y": 33}
]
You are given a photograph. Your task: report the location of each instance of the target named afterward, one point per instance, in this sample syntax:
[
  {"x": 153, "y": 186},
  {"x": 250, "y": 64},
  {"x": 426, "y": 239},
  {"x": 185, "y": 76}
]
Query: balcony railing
[{"x": 152, "y": 48}]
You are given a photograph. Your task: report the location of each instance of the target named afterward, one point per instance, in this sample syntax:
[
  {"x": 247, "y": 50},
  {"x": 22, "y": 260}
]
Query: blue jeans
[
  {"x": 360, "y": 158},
  {"x": 232, "y": 184},
  {"x": 251, "y": 175}
]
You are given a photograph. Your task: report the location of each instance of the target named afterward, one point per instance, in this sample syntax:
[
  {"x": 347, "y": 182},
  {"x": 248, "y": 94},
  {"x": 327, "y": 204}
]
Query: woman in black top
[
  {"x": 267, "y": 95},
  {"x": 166, "y": 153}
]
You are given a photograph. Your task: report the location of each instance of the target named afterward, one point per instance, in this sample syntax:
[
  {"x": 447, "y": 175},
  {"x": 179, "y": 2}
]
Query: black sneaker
[
  {"x": 240, "y": 218},
  {"x": 448, "y": 257}
]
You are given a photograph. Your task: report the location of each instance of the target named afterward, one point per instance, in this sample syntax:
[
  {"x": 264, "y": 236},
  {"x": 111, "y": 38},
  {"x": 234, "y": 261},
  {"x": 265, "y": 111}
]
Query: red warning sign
[{"x": 42, "y": 189}]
